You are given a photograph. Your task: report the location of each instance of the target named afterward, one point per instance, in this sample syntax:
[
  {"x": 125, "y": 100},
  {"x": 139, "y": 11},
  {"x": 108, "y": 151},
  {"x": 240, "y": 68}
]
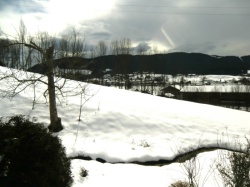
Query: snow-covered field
[{"x": 126, "y": 126}]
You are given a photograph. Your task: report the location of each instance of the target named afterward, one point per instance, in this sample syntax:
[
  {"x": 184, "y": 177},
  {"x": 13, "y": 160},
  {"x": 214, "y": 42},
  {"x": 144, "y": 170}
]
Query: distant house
[{"x": 170, "y": 91}]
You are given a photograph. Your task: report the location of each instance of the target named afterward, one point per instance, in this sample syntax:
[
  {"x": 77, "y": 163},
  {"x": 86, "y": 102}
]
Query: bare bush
[
  {"x": 234, "y": 168},
  {"x": 192, "y": 170}
]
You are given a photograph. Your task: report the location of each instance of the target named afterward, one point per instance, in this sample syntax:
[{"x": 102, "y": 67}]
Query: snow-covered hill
[{"x": 123, "y": 126}]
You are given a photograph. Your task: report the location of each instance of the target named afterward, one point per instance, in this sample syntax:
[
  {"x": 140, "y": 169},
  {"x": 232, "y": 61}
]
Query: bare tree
[
  {"x": 21, "y": 36},
  {"x": 17, "y": 56},
  {"x": 43, "y": 49},
  {"x": 14, "y": 57},
  {"x": 122, "y": 49},
  {"x": 92, "y": 52},
  {"x": 114, "y": 47},
  {"x": 77, "y": 47},
  {"x": 72, "y": 44},
  {"x": 125, "y": 45},
  {"x": 47, "y": 61},
  {"x": 4, "y": 52},
  {"x": 72, "y": 48},
  {"x": 64, "y": 46},
  {"x": 101, "y": 48}
]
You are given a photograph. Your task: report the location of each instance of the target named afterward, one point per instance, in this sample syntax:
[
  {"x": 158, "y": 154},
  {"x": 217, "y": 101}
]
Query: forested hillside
[{"x": 171, "y": 63}]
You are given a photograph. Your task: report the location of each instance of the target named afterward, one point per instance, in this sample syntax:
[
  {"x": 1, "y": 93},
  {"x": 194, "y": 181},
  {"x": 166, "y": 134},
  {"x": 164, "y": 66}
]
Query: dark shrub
[
  {"x": 180, "y": 184},
  {"x": 31, "y": 156}
]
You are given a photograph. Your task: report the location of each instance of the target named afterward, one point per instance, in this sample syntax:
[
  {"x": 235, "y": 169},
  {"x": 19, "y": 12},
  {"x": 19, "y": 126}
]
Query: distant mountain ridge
[{"x": 171, "y": 63}]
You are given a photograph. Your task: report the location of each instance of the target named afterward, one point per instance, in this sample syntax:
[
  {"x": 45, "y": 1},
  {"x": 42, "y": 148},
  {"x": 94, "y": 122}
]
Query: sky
[{"x": 215, "y": 27}]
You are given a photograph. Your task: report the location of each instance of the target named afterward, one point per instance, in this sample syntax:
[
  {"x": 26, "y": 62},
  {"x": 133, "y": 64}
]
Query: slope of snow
[{"x": 119, "y": 125}]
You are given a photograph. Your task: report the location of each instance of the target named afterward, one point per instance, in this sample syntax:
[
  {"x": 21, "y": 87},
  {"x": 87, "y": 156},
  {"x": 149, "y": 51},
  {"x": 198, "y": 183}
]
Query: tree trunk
[{"x": 55, "y": 121}]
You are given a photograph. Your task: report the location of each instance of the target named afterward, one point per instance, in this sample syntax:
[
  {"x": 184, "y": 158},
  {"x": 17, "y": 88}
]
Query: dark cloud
[
  {"x": 22, "y": 6},
  {"x": 100, "y": 35},
  {"x": 193, "y": 26},
  {"x": 138, "y": 26},
  {"x": 209, "y": 34},
  {"x": 141, "y": 48}
]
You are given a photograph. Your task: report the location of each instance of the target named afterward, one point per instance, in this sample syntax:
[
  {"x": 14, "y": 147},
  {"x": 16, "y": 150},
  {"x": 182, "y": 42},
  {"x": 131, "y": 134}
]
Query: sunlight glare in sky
[
  {"x": 60, "y": 14},
  {"x": 80, "y": 9},
  {"x": 168, "y": 39}
]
